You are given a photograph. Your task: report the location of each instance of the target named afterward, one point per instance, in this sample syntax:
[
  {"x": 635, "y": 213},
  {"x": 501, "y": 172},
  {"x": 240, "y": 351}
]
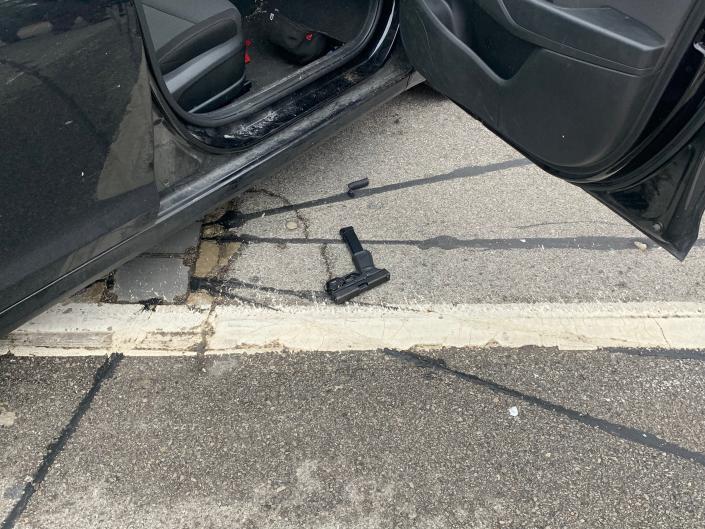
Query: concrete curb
[{"x": 177, "y": 330}]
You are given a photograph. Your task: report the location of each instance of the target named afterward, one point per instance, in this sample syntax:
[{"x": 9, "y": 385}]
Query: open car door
[{"x": 606, "y": 94}]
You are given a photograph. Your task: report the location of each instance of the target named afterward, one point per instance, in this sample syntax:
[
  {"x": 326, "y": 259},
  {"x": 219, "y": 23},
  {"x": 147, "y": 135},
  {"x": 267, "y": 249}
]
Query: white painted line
[{"x": 88, "y": 329}]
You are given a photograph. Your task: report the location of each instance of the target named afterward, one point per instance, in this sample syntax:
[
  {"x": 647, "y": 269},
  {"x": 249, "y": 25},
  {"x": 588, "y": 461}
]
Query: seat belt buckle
[{"x": 366, "y": 276}]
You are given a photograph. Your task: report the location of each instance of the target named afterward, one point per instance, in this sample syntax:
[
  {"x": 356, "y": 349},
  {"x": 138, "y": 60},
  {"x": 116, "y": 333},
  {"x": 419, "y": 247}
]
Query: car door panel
[
  {"x": 76, "y": 138},
  {"x": 668, "y": 202},
  {"x": 573, "y": 84},
  {"x": 569, "y": 112}
]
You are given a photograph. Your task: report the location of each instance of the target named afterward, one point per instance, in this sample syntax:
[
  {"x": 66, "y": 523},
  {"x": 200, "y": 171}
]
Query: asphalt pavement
[
  {"x": 458, "y": 438},
  {"x": 485, "y": 437},
  {"x": 454, "y": 213}
]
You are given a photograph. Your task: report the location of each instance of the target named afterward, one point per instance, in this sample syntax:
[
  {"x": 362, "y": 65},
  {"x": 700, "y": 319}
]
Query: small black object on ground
[
  {"x": 357, "y": 184},
  {"x": 366, "y": 276},
  {"x": 151, "y": 304}
]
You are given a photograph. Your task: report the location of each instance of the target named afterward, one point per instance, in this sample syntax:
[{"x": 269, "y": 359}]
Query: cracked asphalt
[{"x": 471, "y": 438}]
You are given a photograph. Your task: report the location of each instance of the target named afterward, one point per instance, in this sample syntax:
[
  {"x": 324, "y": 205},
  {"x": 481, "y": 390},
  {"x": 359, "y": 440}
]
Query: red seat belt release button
[{"x": 248, "y": 59}]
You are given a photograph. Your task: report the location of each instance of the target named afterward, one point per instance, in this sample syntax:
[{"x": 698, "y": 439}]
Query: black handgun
[{"x": 366, "y": 277}]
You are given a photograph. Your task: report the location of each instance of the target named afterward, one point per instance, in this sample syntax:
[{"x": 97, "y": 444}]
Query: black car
[{"x": 124, "y": 121}]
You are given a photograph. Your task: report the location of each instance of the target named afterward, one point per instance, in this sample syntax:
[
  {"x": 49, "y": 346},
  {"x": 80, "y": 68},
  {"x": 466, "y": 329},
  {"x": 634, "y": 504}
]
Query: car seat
[{"x": 200, "y": 50}]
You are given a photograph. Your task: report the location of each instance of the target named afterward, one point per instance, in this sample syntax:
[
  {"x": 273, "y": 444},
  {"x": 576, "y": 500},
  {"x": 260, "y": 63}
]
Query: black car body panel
[
  {"x": 598, "y": 93},
  {"x": 117, "y": 231},
  {"x": 77, "y": 150}
]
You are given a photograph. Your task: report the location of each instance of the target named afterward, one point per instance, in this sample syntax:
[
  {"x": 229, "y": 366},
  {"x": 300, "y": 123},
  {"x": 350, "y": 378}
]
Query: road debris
[
  {"x": 7, "y": 419},
  {"x": 151, "y": 304},
  {"x": 357, "y": 184},
  {"x": 514, "y": 411},
  {"x": 642, "y": 246}
]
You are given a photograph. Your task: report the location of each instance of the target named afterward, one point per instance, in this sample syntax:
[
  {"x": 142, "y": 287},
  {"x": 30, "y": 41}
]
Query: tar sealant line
[
  {"x": 177, "y": 330},
  {"x": 628, "y": 433},
  {"x": 231, "y": 219},
  {"x": 446, "y": 242},
  {"x": 104, "y": 372}
]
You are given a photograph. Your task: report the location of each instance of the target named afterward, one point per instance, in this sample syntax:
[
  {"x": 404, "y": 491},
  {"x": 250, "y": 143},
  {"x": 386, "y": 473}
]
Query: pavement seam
[
  {"x": 215, "y": 291},
  {"x": 104, "y": 372},
  {"x": 232, "y": 221},
  {"x": 448, "y": 242},
  {"x": 626, "y": 433},
  {"x": 219, "y": 288},
  {"x": 223, "y": 287},
  {"x": 663, "y": 354},
  {"x": 305, "y": 224}
]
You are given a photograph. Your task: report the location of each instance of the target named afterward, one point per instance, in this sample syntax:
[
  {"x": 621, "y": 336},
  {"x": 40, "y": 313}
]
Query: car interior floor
[
  {"x": 265, "y": 62},
  {"x": 273, "y": 30},
  {"x": 213, "y": 52}
]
